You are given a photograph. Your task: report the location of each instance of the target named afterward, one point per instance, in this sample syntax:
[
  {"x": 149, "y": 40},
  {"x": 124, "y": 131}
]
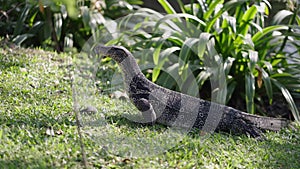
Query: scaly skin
[{"x": 167, "y": 107}]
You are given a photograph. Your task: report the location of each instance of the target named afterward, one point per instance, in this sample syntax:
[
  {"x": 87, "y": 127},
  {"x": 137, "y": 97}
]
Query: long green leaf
[
  {"x": 268, "y": 85},
  {"x": 202, "y": 77},
  {"x": 19, "y": 39},
  {"x": 169, "y": 51},
  {"x": 220, "y": 80},
  {"x": 58, "y": 22},
  {"x": 253, "y": 57},
  {"x": 228, "y": 64},
  {"x": 175, "y": 40},
  {"x": 156, "y": 54},
  {"x": 280, "y": 16},
  {"x": 211, "y": 9},
  {"x": 168, "y": 19},
  {"x": 298, "y": 20},
  {"x": 184, "y": 55},
  {"x": 203, "y": 40},
  {"x": 250, "y": 92},
  {"x": 246, "y": 19},
  {"x": 181, "y": 5},
  {"x": 167, "y": 7},
  {"x": 162, "y": 57},
  {"x": 32, "y": 19},
  {"x": 267, "y": 30},
  {"x": 214, "y": 65},
  {"x": 227, "y": 6},
  {"x": 147, "y": 12},
  {"x": 288, "y": 97},
  {"x": 21, "y": 20},
  {"x": 156, "y": 71},
  {"x": 187, "y": 47},
  {"x": 169, "y": 78},
  {"x": 230, "y": 89},
  {"x": 280, "y": 75},
  {"x": 167, "y": 24}
]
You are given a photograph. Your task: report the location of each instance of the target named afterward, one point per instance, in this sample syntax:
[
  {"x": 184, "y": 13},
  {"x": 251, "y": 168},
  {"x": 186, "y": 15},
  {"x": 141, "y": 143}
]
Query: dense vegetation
[
  {"x": 56, "y": 24},
  {"x": 224, "y": 49}
]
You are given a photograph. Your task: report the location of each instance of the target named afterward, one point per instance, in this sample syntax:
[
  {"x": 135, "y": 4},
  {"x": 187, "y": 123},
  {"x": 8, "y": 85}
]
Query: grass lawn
[{"x": 38, "y": 127}]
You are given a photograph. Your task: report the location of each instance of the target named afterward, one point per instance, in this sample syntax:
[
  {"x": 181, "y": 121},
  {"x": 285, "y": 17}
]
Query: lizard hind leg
[{"x": 242, "y": 126}]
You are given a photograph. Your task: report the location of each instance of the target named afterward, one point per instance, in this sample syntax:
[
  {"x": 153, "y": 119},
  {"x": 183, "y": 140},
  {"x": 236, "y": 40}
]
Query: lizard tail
[{"x": 266, "y": 123}]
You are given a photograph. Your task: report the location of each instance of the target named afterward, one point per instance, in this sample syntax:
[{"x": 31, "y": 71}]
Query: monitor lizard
[{"x": 160, "y": 105}]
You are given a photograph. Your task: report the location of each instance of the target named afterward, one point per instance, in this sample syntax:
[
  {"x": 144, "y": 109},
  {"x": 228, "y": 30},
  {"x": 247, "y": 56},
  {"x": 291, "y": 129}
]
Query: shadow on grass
[
  {"x": 120, "y": 120},
  {"x": 33, "y": 164}
]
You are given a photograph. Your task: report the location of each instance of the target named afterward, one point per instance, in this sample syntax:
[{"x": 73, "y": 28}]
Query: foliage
[
  {"x": 59, "y": 24},
  {"x": 220, "y": 41},
  {"x": 37, "y": 126}
]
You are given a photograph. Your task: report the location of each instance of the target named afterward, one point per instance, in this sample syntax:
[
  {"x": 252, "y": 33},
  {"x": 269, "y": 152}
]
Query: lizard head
[
  {"x": 117, "y": 53},
  {"x": 122, "y": 56}
]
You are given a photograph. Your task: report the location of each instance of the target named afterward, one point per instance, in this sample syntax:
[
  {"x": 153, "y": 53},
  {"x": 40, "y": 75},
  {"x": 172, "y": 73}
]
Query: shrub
[{"x": 58, "y": 24}]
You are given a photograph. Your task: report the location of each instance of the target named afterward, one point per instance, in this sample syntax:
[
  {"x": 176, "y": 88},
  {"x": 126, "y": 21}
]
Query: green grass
[{"x": 36, "y": 99}]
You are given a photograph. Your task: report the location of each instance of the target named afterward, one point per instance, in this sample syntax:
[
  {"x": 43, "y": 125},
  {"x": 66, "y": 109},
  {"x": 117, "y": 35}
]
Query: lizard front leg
[{"x": 147, "y": 110}]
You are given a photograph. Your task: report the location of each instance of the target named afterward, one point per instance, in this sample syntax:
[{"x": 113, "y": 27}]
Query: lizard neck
[{"x": 130, "y": 69}]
